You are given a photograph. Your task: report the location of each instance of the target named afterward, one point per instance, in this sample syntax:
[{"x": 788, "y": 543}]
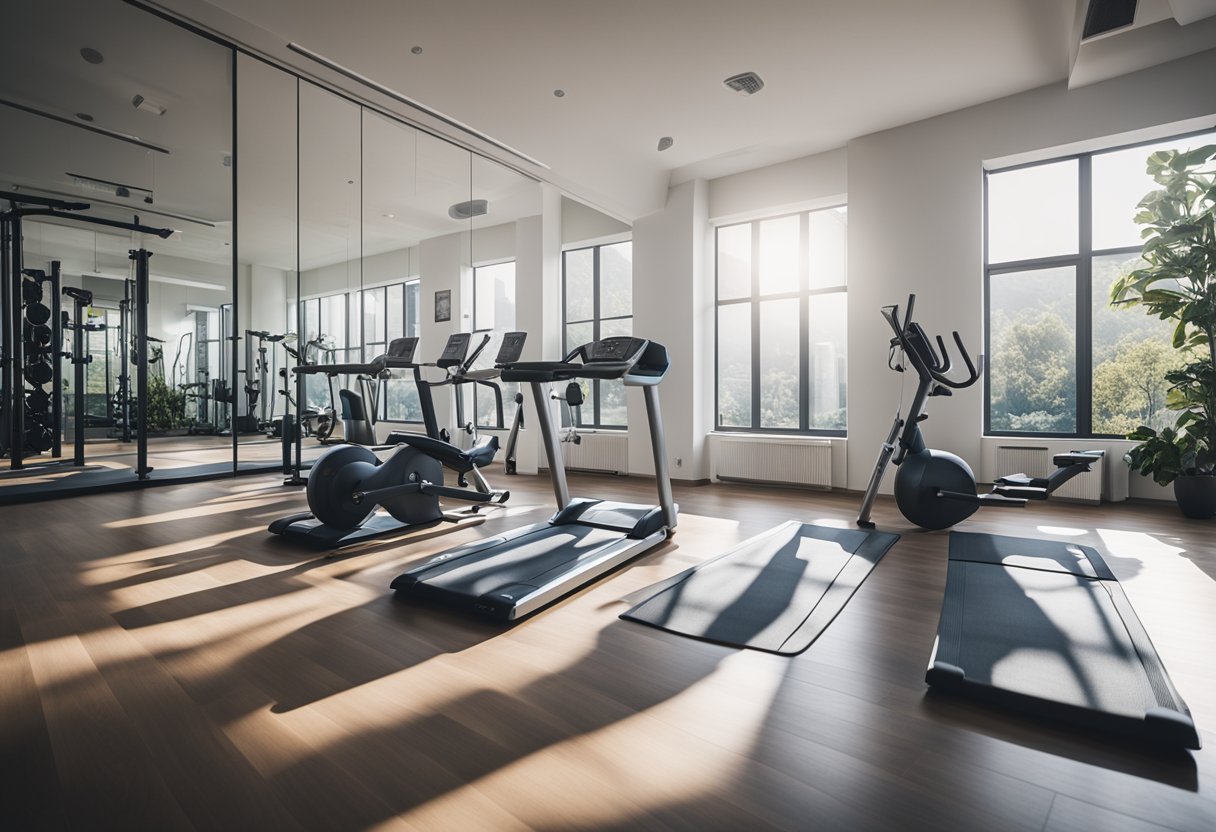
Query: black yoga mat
[{"x": 776, "y": 592}]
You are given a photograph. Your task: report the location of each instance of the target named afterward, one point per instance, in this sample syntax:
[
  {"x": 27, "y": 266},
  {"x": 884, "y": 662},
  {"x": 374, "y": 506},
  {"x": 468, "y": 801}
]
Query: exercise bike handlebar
[{"x": 930, "y": 363}]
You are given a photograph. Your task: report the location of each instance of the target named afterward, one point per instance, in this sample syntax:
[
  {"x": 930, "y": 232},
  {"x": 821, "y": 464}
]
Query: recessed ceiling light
[
  {"x": 84, "y": 117},
  {"x": 92, "y": 55},
  {"x": 389, "y": 216},
  {"x": 559, "y": 93},
  {"x": 666, "y": 142},
  {"x": 417, "y": 50}
]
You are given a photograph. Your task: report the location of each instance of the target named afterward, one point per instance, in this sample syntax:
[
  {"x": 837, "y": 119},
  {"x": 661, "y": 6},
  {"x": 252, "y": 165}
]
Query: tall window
[
  {"x": 493, "y": 313},
  {"x": 597, "y": 292},
  {"x": 1062, "y": 361},
  {"x": 782, "y": 305},
  {"x": 325, "y": 326}
]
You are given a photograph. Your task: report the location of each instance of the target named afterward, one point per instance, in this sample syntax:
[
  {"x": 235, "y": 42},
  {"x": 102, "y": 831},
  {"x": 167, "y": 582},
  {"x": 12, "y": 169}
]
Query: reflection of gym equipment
[
  {"x": 520, "y": 571},
  {"x": 936, "y": 489},
  {"x": 573, "y": 399},
  {"x": 257, "y": 372},
  {"x": 347, "y": 484},
  {"x": 23, "y": 361},
  {"x": 517, "y": 424},
  {"x": 318, "y": 422},
  {"x": 79, "y": 325}
]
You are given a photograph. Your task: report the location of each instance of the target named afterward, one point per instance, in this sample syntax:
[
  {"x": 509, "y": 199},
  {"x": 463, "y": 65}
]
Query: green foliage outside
[
  {"x": 166, "y": 406},
  {"x": 1177, "y": 284}
]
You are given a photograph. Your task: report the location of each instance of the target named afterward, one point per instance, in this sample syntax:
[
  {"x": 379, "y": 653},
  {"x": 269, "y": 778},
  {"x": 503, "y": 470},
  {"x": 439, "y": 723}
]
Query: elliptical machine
[{"x": 936, "y": 489}]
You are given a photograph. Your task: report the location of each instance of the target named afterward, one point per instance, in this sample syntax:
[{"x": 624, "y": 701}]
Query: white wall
[
  {"x": 538, "y": 309},
  {"x": 775, "y": 189},
  {"x": 670, "y": 305},
  {"x": 580, "y": 223},
  {"x": 915, "y": 225}
]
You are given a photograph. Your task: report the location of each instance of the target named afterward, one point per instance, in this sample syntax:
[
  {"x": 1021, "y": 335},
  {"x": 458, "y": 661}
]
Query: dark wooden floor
[{"x": 166, "y": 664}]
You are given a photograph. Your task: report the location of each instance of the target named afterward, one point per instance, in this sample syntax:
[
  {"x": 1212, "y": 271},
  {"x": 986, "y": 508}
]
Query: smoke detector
[
  {"x": 745, "y": 83},
  {"x": 466, "y": 210}
]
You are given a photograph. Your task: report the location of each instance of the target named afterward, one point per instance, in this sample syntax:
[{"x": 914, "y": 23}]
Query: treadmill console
[
  {"x": 455, "y": 351},
  {"x": 512, "y": 348},
  {"x": 618, "y": 348},
  {"x": 401, "y": 351}
]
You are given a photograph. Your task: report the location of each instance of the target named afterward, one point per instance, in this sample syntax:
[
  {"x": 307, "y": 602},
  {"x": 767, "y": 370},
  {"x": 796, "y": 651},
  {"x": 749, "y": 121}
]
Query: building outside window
[
  {"x": 1061, "y": 360},
  {"x": 782, "y": 305}
]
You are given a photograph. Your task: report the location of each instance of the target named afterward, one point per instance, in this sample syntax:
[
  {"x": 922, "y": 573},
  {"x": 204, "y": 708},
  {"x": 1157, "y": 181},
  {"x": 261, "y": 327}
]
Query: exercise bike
[
  {"x": 936, "y": 489},
  {"x": 348, "y": 483}
]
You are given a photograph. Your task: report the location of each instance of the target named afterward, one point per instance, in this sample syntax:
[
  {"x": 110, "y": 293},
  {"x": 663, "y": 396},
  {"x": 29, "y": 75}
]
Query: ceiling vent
[
  {"x": 746, "y": 83},
  {"x": 467, "y": 210}
]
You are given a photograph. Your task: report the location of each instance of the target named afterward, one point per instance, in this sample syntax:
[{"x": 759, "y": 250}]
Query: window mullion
[
  {"x": 1084, "y": 345},
  {"x": 595, "y": 329},
  {"x": 755, "y": 310},
  {"x": 804, "y": 326}
]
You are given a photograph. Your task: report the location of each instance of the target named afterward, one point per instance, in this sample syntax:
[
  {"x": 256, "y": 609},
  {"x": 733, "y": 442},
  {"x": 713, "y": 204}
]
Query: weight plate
[
  {"x": 39, "y": 419},
  {"x": 333, "y": 480},
  {"x": 38, "y": 399},
  {"x": 37, "y": 313},
  {"x": 39, "y": 439},
  {"x": 39, "y": 372},
  {"x": 38, "y": 335},
  {"x": 31, "y": 291}
]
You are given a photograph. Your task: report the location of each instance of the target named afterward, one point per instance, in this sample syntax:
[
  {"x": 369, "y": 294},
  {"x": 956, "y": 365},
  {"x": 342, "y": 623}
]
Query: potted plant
[{"x": 1178, "y": 283}]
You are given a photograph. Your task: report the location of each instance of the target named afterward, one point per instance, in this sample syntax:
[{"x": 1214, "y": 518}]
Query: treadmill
[{"x": 514, "y": 574}]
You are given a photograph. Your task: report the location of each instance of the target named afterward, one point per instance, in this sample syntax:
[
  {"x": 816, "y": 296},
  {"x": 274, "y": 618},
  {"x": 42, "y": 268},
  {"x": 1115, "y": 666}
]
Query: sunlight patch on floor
[
  {"x": 583, "y": 781},
  {"x": 1062, "y": 531},
  {"x": 134, "y": 563},
  {"x": 192, "y": 513}
]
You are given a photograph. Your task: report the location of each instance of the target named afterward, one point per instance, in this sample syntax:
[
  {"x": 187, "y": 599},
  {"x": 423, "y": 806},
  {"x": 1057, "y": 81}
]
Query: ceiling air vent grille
[{"x": 747, "y": 83}]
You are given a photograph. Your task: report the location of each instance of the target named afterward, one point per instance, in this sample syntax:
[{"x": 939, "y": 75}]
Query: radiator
[
  {"x": 1036, "y": 462},
  {"x": 780, "y": 461},
  {"x": 598, "y": 452},
  {"x": 1117, "y": 475}
]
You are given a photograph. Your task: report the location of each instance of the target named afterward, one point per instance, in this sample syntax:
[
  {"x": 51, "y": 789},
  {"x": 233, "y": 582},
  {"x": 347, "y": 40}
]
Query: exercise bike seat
[{"x": 461, "y": 462}]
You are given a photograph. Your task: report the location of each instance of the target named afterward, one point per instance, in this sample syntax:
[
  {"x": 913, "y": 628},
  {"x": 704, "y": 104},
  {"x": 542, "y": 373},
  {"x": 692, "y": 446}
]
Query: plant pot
[{"x": 1196, "y": 495}]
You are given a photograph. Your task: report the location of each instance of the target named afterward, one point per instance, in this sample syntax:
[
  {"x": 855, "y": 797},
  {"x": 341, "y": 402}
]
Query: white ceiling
[
  {"x": 636, "y": 70},
  {"x": 411, "y": 176}
]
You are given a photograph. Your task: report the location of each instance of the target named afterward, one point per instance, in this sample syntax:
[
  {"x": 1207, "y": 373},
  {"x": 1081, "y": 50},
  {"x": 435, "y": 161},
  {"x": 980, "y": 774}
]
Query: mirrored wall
[
  {"x": 286, "y": 225},
  {"x": 355, "y": 230},
  {"x": 117, "y": 138}
]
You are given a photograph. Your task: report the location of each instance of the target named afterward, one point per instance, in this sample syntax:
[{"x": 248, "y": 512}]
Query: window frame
[
  {"x": 594, "y": 423},
  {"x": 755, "y": 299},
  {"x": 1082, "y": 264}
]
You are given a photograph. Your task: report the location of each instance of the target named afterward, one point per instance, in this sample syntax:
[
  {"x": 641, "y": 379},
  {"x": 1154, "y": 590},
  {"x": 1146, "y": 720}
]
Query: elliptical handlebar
[{"x": 930, "y": 363}]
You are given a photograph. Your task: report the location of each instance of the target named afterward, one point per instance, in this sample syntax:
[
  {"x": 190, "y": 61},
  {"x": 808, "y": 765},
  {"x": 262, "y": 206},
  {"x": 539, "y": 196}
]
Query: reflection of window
[
  {"x": 493, "y": 313},
  {"x": 1062, "y": 361},
  {"x": 399, "y": 395},
  {"x": 597, "y": 292},
  {"x": 782, "y": 305}
]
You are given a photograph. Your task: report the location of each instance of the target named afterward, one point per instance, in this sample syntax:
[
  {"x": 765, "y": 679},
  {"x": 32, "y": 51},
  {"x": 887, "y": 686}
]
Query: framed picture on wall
[{"x": 443, "y": 305}]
